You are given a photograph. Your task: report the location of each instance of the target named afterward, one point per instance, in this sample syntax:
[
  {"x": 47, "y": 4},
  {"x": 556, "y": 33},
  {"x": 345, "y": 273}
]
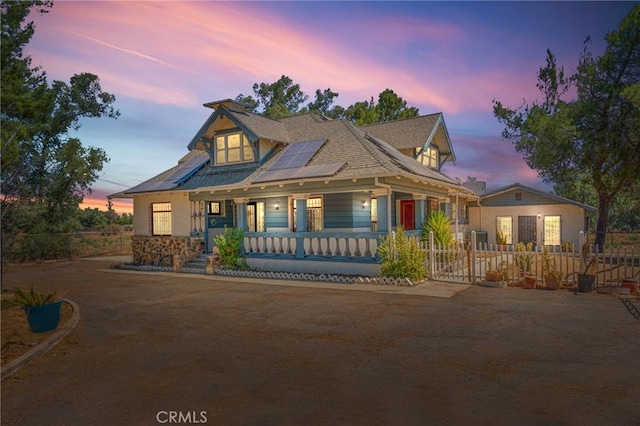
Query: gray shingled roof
[
  {"x": 360, "y": 153},
  {"x": 415, "y": 132},
  {"x": 518, "y": 186},
  {"x": 405, "y": 133},
  {"x": 263, "y": 127}
]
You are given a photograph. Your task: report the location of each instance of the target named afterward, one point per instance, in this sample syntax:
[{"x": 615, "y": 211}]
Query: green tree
[
  {"x": 93, "y": 218},
  {"x": 393, "y": 107},
  {"x": 389, "y": 107},
  {"x": 276, "y": 100},
  {"x": 323, "y": 101},
  {"x": 284, "y": 98},
  {"x": 362, "y": 113},
  {"x": 45, "y": 172},
  {"x": 594, "y": 136}
]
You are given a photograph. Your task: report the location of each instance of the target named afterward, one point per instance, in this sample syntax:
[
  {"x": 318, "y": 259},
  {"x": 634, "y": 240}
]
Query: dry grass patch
[{"x": 17, "y": 337}]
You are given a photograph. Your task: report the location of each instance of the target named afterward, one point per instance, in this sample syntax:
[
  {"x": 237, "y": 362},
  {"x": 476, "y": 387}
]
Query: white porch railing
[{"x": 338, "y": 246}]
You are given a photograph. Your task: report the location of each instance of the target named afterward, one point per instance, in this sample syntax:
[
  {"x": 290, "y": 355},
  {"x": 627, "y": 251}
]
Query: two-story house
[{"x": 312, "y": 194}]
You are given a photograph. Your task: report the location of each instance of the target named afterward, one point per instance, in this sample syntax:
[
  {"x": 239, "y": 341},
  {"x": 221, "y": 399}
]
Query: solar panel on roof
[
  {"x": 187, "y": 169},
  {"x": 179, "y": 176},
  {"x": 297, "y": 155},
  {"x": 318, "y": 170}
]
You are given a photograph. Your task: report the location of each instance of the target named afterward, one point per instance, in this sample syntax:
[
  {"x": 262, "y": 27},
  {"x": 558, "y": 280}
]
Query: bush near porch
[{"x": 402, "y": 257}]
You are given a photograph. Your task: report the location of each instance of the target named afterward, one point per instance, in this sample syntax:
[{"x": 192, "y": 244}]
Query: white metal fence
[{"x": 469, "y": 262}]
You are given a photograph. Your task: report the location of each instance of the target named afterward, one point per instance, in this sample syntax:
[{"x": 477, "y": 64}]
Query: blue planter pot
[{"x": 43, "y": 318}]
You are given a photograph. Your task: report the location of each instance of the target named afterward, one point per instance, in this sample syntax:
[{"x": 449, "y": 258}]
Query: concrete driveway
[{"x": 165, "y": 348}]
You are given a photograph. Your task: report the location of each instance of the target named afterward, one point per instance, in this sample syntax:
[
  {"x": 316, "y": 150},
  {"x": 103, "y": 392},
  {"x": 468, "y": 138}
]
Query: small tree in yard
[{"x": 402, "y": 257}]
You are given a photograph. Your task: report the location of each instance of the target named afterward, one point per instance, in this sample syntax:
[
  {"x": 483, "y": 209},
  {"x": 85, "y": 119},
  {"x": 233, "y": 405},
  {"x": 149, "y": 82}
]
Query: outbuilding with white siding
[{"x": 525, "y": 214}]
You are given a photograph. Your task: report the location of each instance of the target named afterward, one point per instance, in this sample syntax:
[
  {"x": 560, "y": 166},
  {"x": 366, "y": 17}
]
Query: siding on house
[
  {"x": 180, "y": 209},
  {"x": 508, "y": 199},
  {"x": 344, "y": 211},
  {"x": 276, "y": 219},
  {"x": 572, "y": 220}
]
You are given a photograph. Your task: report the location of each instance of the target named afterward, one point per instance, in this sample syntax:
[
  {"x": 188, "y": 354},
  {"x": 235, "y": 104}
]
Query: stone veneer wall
[{"x": 159, "y": 251}]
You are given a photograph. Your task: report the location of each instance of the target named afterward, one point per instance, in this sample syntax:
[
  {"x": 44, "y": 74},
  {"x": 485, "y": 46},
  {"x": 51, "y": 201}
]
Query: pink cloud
[
  {"x": 174, "y": 53},
  {"x": 492, "y": 160}
]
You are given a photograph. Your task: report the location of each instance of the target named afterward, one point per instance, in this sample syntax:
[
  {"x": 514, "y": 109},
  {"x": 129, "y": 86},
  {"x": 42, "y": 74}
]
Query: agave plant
[
  {"x": 33, "y": 298},
  {"x": 440, "y": 224}
]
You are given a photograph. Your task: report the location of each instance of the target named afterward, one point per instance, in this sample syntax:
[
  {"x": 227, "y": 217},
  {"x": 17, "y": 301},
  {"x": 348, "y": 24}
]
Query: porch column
[
  {"x": 420, "y": 213},
  {"x": 383, "y": 213},
  {"x": 301, "y": 214},
  {"x": 241, "y": 213},
  {"x": 301, "y": 223}
]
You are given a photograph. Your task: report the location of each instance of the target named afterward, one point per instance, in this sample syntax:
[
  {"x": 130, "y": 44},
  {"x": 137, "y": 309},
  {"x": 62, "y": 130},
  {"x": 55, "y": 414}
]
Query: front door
[
  {"x": 408, "y": 215},
  {"x": 527, "y": 229}
]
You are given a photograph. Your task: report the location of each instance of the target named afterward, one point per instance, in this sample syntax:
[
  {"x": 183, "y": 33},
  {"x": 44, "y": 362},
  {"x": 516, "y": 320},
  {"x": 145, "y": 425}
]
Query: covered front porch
[{"x": 302, "y": 226}]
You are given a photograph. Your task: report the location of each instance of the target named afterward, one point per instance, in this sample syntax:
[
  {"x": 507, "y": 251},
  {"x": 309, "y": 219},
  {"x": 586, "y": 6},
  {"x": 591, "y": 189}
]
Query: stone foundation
[{"x": 160, "y": 251}]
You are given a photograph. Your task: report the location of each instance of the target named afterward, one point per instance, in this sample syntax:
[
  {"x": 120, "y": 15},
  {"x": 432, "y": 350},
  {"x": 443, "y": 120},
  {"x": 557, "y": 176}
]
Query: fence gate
[{"x": 448, "y": 263}]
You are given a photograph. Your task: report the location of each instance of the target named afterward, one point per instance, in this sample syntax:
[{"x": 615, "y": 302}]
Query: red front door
[{"x": 407, "y": 214}]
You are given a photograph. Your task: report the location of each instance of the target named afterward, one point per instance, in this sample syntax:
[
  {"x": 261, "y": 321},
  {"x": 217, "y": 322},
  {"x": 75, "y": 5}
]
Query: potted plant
[
  {"x": 42, "y": 309},
  {"x": 498, "y": 274},
  {"x": 523, "y": 257},
  {"x": 631, "y": 284},
  {"x": 587, "y": 279},
  {"x": 501, "y": 239},
  {"x": 552, "y": 277}
]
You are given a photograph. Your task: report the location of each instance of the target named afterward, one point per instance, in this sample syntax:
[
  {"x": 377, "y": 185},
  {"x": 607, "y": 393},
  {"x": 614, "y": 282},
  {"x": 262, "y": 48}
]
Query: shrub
[
  {"x": 401, "y": 256},
  {"x": 440, "y": 224},
  {"x": 568, "y": 247},
  {"x": 230, "y": 245}
]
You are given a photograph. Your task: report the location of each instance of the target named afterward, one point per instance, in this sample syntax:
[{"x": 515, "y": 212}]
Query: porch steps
[{"x": 196, "y": 266}]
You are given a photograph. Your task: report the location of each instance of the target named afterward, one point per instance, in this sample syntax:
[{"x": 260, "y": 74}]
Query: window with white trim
[
  {"x": 233, "y": 148},
  {"x": 161, "y": 218},
  {"x": 552, "y": 232},
  {"x": 428, "y": 157}
]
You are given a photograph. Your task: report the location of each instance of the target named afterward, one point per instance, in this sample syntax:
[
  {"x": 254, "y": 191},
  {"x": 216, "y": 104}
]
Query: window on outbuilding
[
  {"x": 161, "y": 219},
  {"x": 552, "y": 231},
  {"x": 504, "y": 226}
]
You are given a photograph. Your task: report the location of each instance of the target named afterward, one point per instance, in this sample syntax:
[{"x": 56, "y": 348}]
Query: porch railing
[{"x": 338, "y": 246}]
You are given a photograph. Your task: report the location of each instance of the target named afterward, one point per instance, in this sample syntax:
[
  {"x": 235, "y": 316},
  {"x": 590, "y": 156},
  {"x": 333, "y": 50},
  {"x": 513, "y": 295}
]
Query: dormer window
[
  {"x": 428, "y": 157},
  {"x": 233, "y": 148}
]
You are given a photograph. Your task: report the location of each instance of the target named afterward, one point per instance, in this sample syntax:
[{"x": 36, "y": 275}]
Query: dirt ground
[
  {"x": 17, "y": 337},
  {"x": 236, "y": 352}
]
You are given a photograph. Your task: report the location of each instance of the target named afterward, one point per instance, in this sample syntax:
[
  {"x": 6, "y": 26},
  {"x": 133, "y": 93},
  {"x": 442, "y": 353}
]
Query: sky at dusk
[{"x": 163, "y": 60}]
